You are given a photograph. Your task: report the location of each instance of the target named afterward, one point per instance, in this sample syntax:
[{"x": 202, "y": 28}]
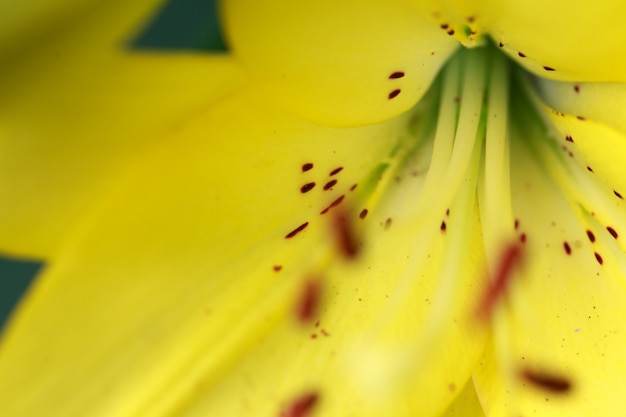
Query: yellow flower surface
[{"x": 363, "y": 209}]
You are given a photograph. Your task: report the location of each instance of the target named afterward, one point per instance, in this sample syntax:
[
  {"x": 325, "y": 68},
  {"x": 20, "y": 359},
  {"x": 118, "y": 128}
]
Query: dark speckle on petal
[
  {"x": 567, "y": 248},
  {"x": 612, "y": 231},
  {"x": 296, "y": 230},
  {"x": 599, "y": 258},
  {"x": 394, "y": 93},
  {"x": 330, "y": 184},
  {"x": 591, "y": 236},
  {"x": 307, "y": 187},
  {"x": 333, "y": 204}
]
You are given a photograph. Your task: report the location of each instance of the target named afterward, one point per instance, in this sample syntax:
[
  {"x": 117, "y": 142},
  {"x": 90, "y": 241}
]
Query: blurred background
[{"x": 178, "y": 25}]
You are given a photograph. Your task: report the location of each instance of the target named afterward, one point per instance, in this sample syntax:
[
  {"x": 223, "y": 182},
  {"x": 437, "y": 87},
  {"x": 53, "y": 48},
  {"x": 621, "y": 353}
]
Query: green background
[{"x": 179, "y": 25}]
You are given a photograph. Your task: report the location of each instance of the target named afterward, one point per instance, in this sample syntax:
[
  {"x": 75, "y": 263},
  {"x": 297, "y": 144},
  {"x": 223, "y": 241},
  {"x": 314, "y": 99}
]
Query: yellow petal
[
  {"x": 346, "y": 63},
  {"x": 559, "y": 339},
  {"x": 559, "y": 39},
  {"x": 175, "y": 274},
  {"x": 66, "y": 133},
  {"x": 597, "y": 143},
  {"x": 199, "y": 254},
  {"x": 24, "y": 26},
  {"x": 601, "y": 102},
  {"x": 325, "y": 358},
  {"x": 466, "y": 404}
]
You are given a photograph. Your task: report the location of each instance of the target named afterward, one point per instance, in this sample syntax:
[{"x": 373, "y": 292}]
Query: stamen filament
[
  {"x": 496, "y": 190},
  {"x": 441, "y": 187},
  {"x": 451, "y": 183}
]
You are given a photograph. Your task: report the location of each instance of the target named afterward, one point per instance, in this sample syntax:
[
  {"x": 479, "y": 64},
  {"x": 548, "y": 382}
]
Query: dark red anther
[
  {"x": 306, "y": 167},
  {"x": 363, "y": 213},
  {"x": 548, "y": 68},
  {"x": 330, "y": 184},
  {"x": 591, "y": 236},
  {"x": 347, "y": 243},
  {"x": 301, "y": 406},
  {"x": 396, "y": 75},
  {"x": 510, "y": 258},
  {"x": 549, "y": 382},
  {"x": 618, "y": 195},
  {"x": 278, "y": 268},
  {"x": 521, "y": 54},
  {"x": 569, "y": 138},
  {"x": 308, "y": 300},
  {"x": 443, "y": 227}
]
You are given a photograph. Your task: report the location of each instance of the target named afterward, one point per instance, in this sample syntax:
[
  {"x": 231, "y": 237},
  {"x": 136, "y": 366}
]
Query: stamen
[
  {"x": 495, "y": 194},
  {"x": 549, "y": 382},
  {"x": 309, "y": 298},
  {"x": 452, "y": 150},
  {"x": 347, "y": 243},
  {"x": 301, "y": 406},
  {"x": 509, "y": 260}
]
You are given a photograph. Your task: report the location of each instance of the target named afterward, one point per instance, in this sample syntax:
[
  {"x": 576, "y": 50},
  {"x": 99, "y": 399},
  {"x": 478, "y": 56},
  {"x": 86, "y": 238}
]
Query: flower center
[{"x": 468, "y": 168}]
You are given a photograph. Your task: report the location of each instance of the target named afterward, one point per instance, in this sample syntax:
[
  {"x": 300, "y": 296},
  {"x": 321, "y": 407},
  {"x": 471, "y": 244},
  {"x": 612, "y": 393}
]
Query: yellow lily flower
[{"x": 391, "y": 208}]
